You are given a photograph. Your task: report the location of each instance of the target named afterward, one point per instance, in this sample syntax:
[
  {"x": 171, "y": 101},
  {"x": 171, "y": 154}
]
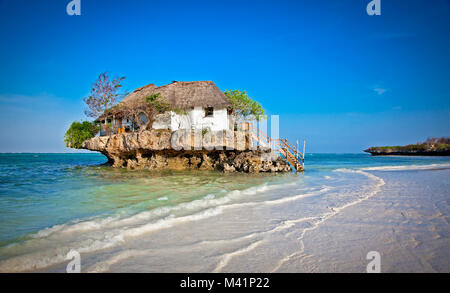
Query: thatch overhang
[{"x": 180, "y": 95}]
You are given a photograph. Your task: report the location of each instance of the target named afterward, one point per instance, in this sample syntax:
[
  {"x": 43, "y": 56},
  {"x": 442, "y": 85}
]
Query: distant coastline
[{"x": 431, "y": 147}]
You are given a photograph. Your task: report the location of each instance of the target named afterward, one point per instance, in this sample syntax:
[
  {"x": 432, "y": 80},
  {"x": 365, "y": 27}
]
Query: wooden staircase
[{"x": 283, "y": 147}]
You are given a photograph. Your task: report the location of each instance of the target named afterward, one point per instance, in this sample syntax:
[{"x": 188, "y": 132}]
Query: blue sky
[{"x": 337, "y": 77}]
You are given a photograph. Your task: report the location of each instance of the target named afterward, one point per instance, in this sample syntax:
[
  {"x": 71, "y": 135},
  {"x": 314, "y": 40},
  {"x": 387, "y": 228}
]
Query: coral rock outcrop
[{"x": 225, "y": 151}]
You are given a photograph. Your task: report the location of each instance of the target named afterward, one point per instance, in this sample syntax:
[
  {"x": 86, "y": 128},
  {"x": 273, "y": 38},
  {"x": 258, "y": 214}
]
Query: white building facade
[
  {"x": 197, "y": 118},
  {"x": 200, "y": 104}
]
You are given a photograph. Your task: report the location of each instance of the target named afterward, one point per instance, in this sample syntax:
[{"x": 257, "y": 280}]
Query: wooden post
[
  {"x": 113, "y": 124},
  {"x": 304, "y": 143}
]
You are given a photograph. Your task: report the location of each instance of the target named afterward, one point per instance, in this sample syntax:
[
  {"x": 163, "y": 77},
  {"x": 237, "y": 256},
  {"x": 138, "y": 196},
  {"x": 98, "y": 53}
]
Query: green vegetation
[
  {"x": 160, "y": 104},
  {"x": 431, "y": 145},
  {"x": 103, "y": 98},
  {"x": 443, "y": 147},
  {"x": 205, "y": 131},
  {"x": 79, "y": 132},
  {"x": 243, "y": 106}
]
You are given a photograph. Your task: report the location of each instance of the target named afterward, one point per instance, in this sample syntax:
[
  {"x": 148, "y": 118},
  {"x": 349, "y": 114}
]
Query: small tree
[
  {"x": 79, "y": 132},
  {"x": 160, "y": 104},
  {"x": 155, "y": 104},
  {"x": 243, "y": 106},
  {"x": 105, "y": 93}
]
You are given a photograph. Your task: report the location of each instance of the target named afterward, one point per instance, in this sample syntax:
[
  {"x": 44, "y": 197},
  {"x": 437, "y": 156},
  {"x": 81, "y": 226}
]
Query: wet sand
[{"x": 407, "y": 222}]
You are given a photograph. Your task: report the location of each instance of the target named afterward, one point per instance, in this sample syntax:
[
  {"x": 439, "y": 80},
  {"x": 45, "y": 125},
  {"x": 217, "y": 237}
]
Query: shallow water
[{"x": 170, "y": 221}]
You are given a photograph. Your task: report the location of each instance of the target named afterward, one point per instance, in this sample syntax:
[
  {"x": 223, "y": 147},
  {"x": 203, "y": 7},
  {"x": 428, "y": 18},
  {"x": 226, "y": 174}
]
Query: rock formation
[{"x": 225, "y": 151}]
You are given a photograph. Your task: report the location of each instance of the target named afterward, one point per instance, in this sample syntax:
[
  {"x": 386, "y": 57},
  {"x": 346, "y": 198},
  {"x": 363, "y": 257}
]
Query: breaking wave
[
  {"x": 408, "y": 167},
  {"x": 99, "y": 234}
]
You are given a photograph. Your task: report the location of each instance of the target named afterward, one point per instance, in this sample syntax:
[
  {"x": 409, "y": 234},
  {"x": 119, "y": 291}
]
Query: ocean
[{"x": 323, "y": 220}]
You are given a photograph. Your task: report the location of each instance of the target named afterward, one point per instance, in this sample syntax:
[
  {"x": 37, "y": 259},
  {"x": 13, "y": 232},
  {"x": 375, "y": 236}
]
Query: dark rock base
[{"x": 250, "y": 161}]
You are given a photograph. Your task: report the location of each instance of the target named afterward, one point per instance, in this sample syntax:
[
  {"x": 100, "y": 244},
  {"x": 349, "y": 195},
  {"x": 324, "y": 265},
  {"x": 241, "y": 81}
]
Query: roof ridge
[
  {"x": 185, "y": 82},
  {"x": 143, "y": 87}
]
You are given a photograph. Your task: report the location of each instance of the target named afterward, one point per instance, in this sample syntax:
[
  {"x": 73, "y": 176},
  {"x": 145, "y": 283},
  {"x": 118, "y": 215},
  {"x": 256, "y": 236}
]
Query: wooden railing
[
  {"x": 291, "y": 153},
  {"x": 260, "y": 137}
]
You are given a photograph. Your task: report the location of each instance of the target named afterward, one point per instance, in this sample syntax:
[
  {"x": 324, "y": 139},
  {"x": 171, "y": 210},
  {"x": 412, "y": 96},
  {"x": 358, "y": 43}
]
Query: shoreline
[
  {"x": 393, "y": 223},
  {"x": 323, "y": 221}
]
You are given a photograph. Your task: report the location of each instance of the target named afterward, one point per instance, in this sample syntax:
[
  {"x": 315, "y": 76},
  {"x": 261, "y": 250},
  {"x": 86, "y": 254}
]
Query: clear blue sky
[{"x": 337, "y": 77}]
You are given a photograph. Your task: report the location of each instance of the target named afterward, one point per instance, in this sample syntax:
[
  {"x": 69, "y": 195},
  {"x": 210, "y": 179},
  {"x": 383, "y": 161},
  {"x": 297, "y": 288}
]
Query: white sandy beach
[
  {"x": 326, "y": 226},
  {"x": 406, "y": 222}
]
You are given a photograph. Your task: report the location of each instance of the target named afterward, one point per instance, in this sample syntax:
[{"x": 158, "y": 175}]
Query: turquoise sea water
[{"x": 41, "y": 193}]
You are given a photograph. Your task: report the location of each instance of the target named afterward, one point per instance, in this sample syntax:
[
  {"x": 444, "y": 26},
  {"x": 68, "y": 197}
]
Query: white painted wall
[
  {"x": 180, "y": 121},
  {"x": 195, "y": 119},
  {"x": 162, "y": 121}
]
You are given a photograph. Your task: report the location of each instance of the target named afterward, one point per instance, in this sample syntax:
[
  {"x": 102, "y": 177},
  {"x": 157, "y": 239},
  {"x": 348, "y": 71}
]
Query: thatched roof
[{"x": 180, "y": 94}]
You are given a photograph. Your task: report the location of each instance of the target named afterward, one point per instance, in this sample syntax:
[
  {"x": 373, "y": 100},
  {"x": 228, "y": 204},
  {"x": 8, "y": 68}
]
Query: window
[
  {"x": 209, "y": 112},
  {"x": 143, "y": 118}
]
